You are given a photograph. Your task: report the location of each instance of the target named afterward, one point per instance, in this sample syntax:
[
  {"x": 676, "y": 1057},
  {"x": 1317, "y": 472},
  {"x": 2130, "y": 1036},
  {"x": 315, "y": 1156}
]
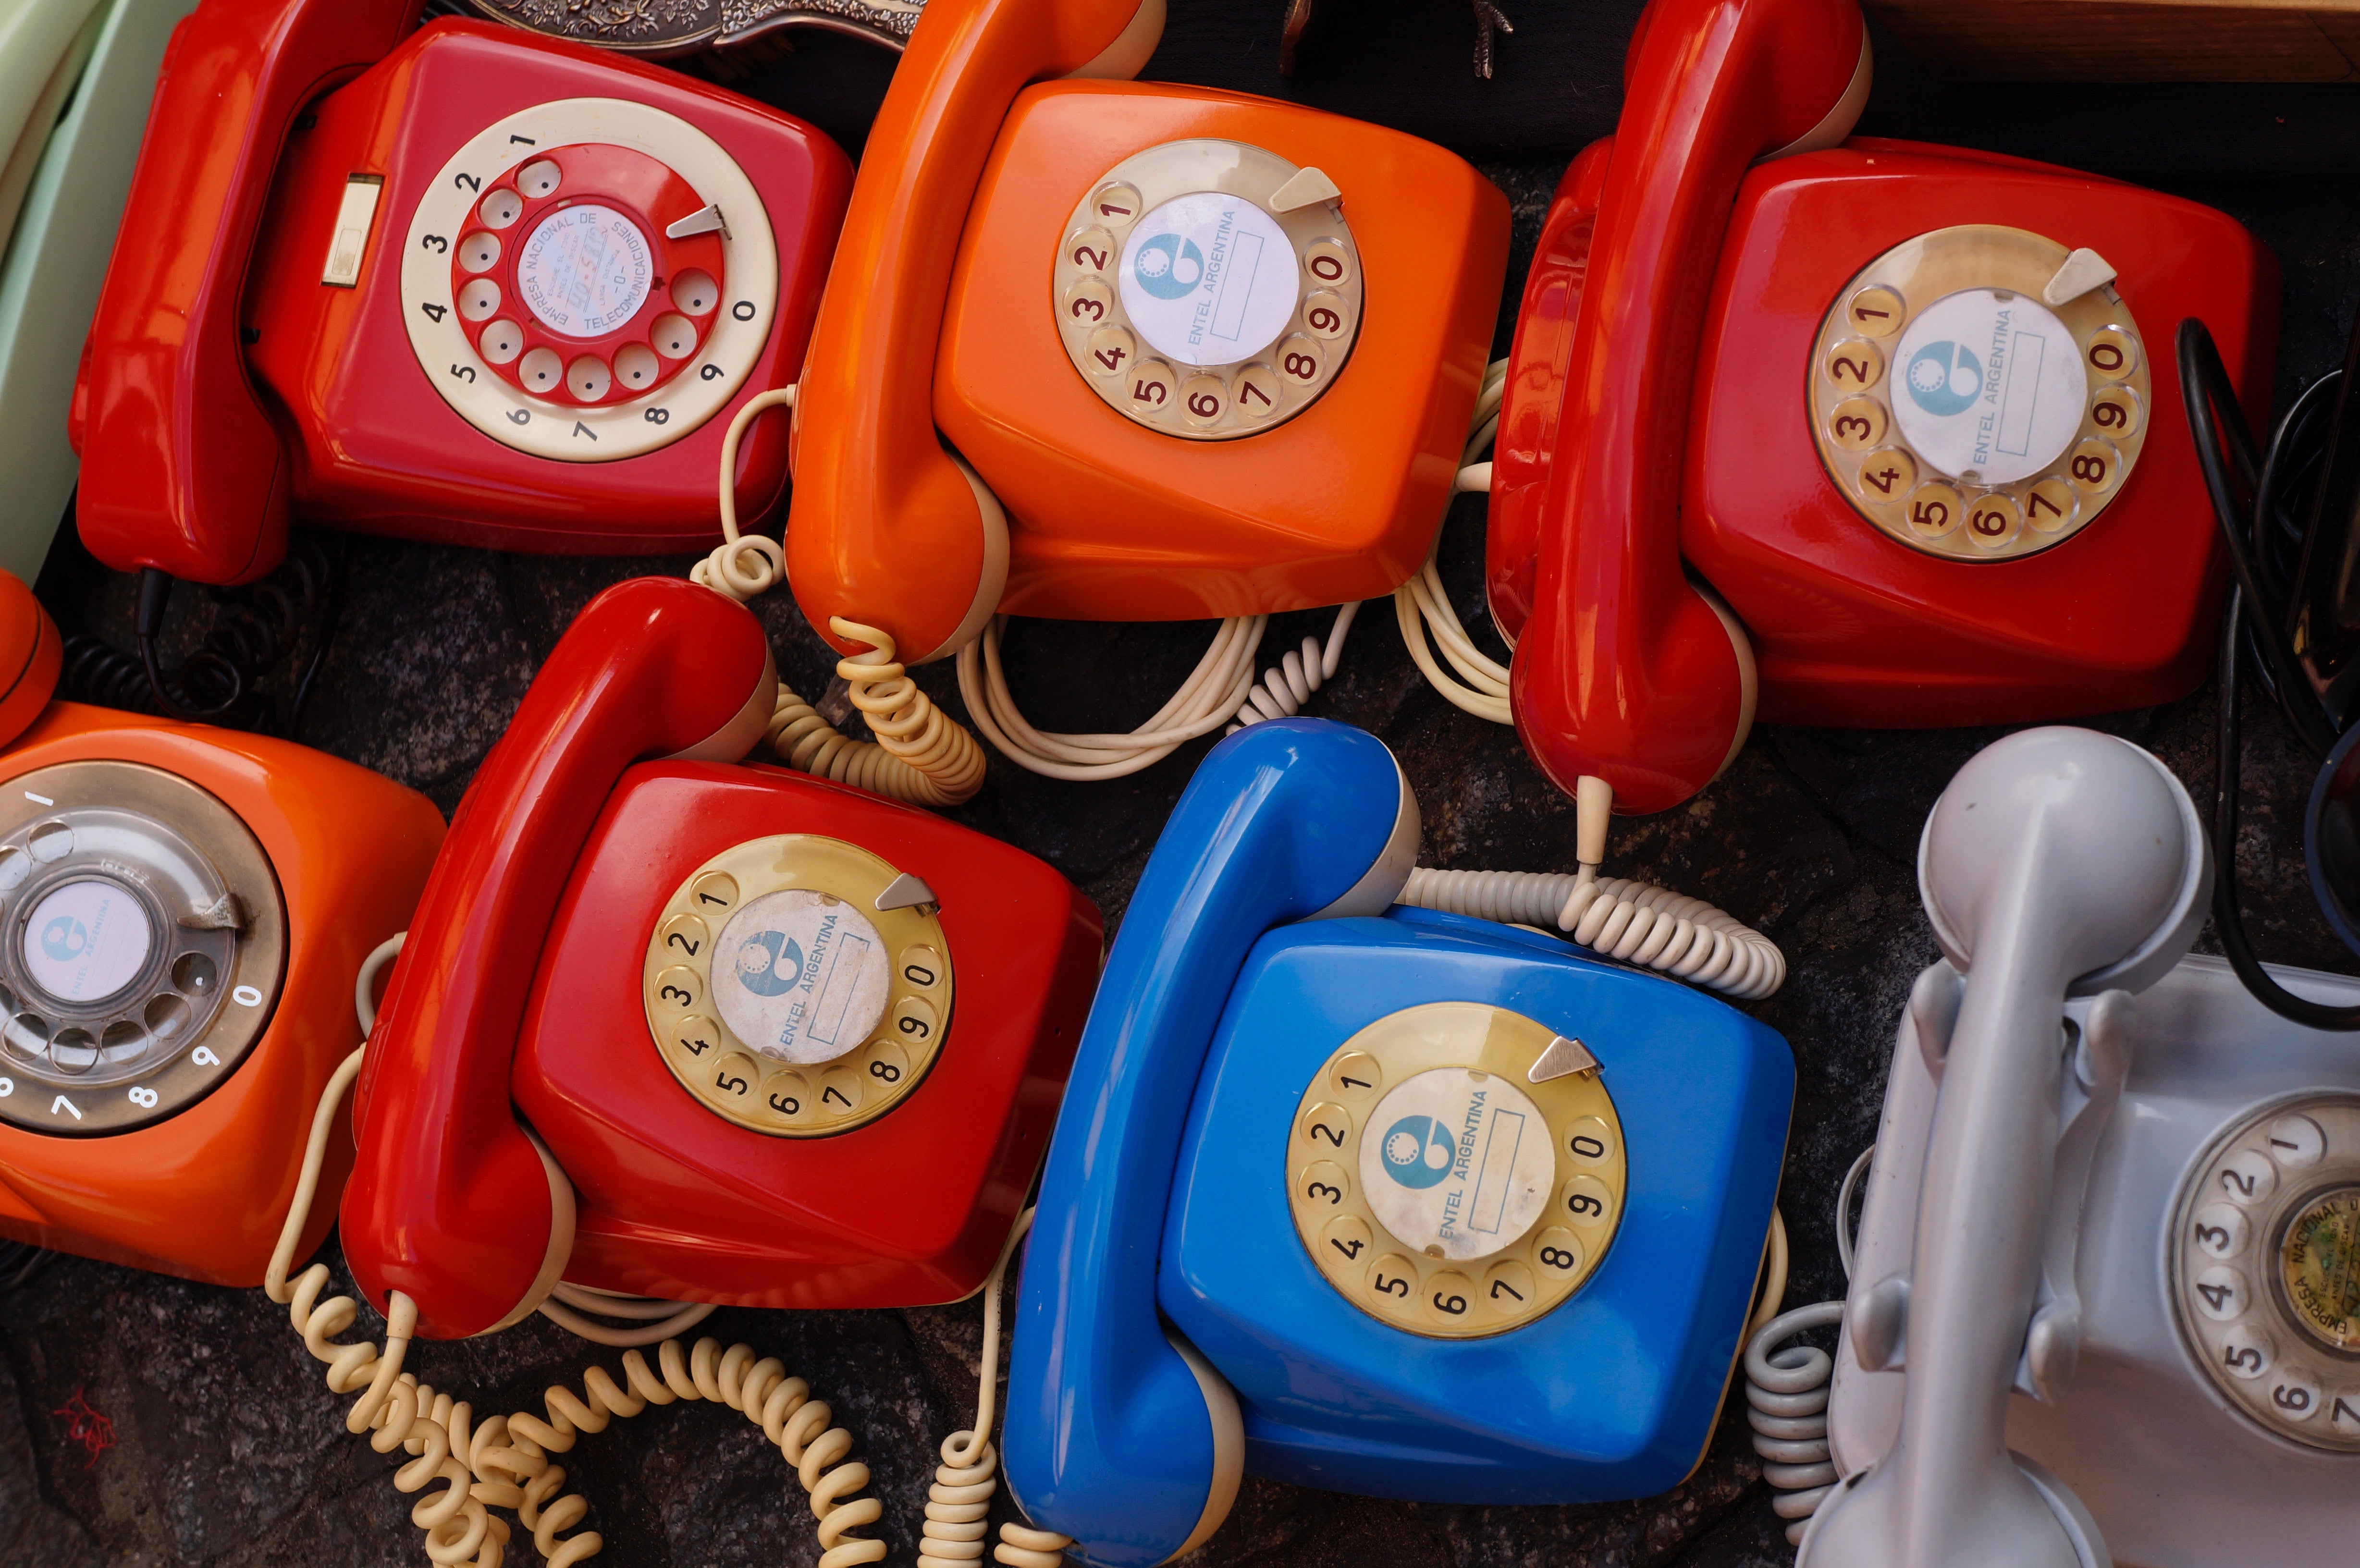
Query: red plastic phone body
[
  {"x": 522, "y": 981},
  {"x": 203, "y": 1194},
  {"x": 1592, "y": 525},
  {"x": 1218, "y": 528},
  {"x": 363, "y": 439},
  {"x": 912, "y": 1208}
]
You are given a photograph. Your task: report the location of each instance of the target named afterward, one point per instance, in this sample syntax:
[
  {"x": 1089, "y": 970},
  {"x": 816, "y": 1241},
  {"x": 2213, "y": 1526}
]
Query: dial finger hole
[
  {"x": 500, "y": 209},
  {"x": 541, "y": 371},
  {"x": 74, "y": 1050},
  {"x": 538, "y": 178},
  {"x": 479, "y": 301},
  {"x": 194, "y": 975},
  {"x": 167, "y": 1014},
  {"x": 14, "y": 867},
  {"x": 696, "y": 292},
  {"x": 636, "y": 367},
  {"x": 674, "y": 337},
  {"x": 588, "y": 379},
  {"x": 479, "y": 251},
  {"x": 28, "y": 1034},
  {"x": 501, "y": 342},
  {"x": 122, "y": 1041}
]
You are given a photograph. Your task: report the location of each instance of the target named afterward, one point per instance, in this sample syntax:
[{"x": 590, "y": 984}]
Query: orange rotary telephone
[
  {"x": 183, "y": 910},
  {"x": 703, "y": 1031},
  {"x": 471, "y": 285},
  {"x": 1213, "y": 354},
  {"x": 1855, "y": 433}
]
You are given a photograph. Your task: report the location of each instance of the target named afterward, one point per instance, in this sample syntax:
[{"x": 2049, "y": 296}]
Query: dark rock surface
[{"x": 225, "y": 1447}]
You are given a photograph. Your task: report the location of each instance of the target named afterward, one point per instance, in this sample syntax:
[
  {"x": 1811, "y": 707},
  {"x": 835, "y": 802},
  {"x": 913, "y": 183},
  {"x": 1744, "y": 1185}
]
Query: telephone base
[{"x": 2174, "y": 1477}]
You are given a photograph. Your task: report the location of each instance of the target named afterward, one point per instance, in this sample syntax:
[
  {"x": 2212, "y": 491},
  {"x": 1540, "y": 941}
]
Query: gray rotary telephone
[{"x": 2105, "y": 1301}]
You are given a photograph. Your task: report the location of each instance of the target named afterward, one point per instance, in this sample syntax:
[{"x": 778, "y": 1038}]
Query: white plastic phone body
[{"x": 2174, "y": 1475}]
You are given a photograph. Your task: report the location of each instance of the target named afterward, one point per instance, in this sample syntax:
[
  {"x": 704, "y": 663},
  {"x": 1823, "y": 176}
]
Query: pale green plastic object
[{"x": 105, "y": 53}]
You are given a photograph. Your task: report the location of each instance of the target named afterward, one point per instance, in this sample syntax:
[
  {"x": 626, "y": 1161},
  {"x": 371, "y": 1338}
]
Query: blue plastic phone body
[
  {"x": 1165, "y": 1194},
  {"x": 1611, "y": 1395}
]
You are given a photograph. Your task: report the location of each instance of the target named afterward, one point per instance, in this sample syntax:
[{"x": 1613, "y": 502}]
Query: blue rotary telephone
[{"x": 1416, "y": 1206}]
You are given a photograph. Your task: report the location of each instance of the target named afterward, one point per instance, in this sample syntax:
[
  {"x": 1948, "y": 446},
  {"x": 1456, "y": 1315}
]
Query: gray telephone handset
[{"x": 2142, "y": 1216}]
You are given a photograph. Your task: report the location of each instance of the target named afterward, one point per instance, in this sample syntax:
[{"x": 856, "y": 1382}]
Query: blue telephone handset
[{"x": 1417, "y": 1206}]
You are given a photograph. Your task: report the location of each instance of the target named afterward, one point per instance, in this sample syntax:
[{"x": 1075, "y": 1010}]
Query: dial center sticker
[
  {"x": 800, "y": 975},
  {"x": 585, "y": 270},
  {"x": 86, "y": 940},
  {"x": 1457, "y": 1163},
  {"x": 1988, "y": 385},
  {"x": 2320, "y": 1260},
  {"x": 1209, "y": 278}
]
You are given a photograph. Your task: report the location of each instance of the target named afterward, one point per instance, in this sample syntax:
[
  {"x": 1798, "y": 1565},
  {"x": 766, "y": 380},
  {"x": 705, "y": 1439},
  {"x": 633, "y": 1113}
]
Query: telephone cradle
[
  {"x": 685, "y": 1029},
  {"x": 488, "y": 289},
  {"x": 1435, "y": 1209},
  {"x": 182, "y": 909}
]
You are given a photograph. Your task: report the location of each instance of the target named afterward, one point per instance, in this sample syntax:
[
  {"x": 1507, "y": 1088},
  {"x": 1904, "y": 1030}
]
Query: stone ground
[{"x": 225, "y": 1447}]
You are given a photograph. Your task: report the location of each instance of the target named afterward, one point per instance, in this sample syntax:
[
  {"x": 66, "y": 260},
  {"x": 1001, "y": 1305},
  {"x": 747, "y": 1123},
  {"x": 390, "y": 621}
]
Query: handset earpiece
[
  {"x": 885, "y": 526},
  {"x": 1115, "y": 1436},
  {"x": 2058, "y": 863},
  {"x": 1712, "y": 86},
  {"x": 31, "y": 657},
  {"x": 451, "y": 1200},
  {"x": 182, "y": 469}
]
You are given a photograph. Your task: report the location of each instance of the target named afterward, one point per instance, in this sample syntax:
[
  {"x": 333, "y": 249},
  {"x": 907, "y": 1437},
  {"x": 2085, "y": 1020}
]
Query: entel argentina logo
[
  {"x": 65, "y": 939},
  {"x": 770, "y": 963},
  {"x": 1944, "y": 378},
  {"x": 1418, "y": 1152},
  {"x": 1168, "y": 267}
]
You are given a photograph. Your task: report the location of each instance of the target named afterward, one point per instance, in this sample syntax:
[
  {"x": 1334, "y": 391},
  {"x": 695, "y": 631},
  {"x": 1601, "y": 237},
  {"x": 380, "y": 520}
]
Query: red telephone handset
[
  {"x": 865, "y": 446},
  {"x": 456, "y": 1205},
  {"x": 1625, "y": 669},
  {"x": 192, "y": 469}
]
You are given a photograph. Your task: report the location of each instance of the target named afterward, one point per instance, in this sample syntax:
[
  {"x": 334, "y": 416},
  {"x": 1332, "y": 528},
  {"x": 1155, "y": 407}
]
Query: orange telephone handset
[
  {"x": 864, "y": 419},
  {"x": 1197, "y": 353}
]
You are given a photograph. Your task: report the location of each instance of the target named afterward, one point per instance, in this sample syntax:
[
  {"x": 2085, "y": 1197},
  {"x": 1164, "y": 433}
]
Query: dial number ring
[
  {"x": 1266, "y": 384},
  {"x": 1858, "y": 359},
  {"x": 1441, "y": 1287},
  {"x": 737, "y": 1079},
  {"x": 646, "y": 398},
  {"x": 2264, "y": 1263}
]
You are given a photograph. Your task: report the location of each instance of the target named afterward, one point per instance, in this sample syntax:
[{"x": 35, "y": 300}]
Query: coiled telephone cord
[
  {"x": 511, "y": 1454},
  {"x": 1218, "y": 690},
  {"x": 400, "y": 1411},
  {"x": 1787, "y": 1388},
  {"x": 958, "y": 1505},
  {"x": 1422, "y": 608},
  {"x": 921, "y": 754},
  {"x": 1633, "y": 922}
]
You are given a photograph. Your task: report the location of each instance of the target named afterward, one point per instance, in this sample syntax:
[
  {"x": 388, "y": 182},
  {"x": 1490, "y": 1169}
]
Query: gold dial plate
[
  {"x": 1944, "y": 395},
  {"x": 1191, "y": 308},
  {"x": 783, "y": 932},
  {"x": 2265, "y": 1254},
  {"x": 1425, "y": 1121}
]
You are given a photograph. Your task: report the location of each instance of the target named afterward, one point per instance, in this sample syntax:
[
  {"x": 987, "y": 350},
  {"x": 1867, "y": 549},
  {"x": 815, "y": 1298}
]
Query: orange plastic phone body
[
  {"x": 1110, "y": 520},
  {"x": 203, "y": 1194}
]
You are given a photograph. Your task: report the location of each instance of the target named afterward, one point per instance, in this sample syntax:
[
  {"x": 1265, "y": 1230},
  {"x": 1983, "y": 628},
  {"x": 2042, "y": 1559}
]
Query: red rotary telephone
[
  {"x": 685, "y": 1029},
  {"x": 1853, "y": 432},
  {"x": 469, "y": 285}
]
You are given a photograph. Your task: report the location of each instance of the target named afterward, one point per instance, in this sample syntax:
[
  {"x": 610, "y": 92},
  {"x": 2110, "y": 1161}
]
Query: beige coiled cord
[
  {"x": 507, "y": 1459},
  {"x": 511, "y": 1452},
  {"x": 921, "y": 754},
  {"x": 1633, "y": 922}
]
